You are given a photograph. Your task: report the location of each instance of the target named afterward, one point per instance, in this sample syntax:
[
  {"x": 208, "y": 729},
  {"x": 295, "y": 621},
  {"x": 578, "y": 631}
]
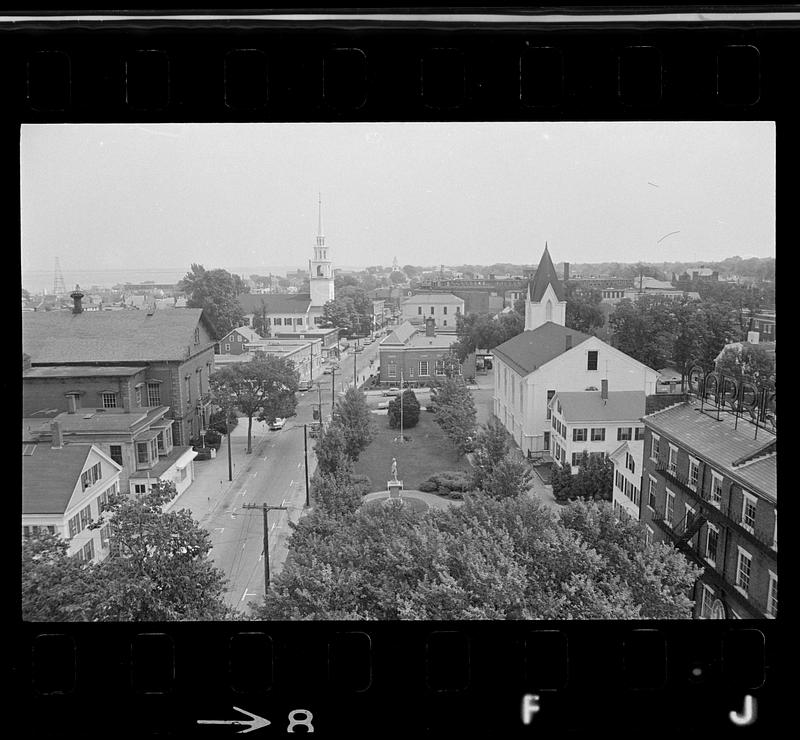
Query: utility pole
[
  {"x": 305, "y": 458},
  {"x": 401, "y": 406},
  {"x": 311, "y": 377},
  {"x": 230, "y": 464},
  {"x": 265, "y": 508},
  {"x": 333, "y": 390}
]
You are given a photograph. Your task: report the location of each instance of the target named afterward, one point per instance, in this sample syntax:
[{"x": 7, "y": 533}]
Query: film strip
[{"x": 425, "y": 679}]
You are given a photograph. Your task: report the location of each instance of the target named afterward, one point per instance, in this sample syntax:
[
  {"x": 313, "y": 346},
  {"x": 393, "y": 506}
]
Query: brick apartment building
[{"x": 709, "y": 486}]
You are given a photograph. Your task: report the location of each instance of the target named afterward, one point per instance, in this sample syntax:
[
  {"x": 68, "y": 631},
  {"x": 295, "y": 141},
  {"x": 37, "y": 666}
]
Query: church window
[{"x": 548, "y": 311}]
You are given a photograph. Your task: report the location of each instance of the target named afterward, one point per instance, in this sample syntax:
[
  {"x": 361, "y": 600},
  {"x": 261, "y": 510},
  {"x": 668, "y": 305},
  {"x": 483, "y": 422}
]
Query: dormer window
[
  {"x": 108, "y": 399},
  {"x": 197, "y": 335}
]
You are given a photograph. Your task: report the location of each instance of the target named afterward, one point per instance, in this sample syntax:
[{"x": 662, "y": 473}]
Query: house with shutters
[
  {"x": 594, "y": 422},
  {"x": 115, "y": 361},
  {"x": 444, "y": 308},
  {"x": 547, "y": 358},
  {"x": 236, "y": 340},
  {"x": 63, "y": 488}
]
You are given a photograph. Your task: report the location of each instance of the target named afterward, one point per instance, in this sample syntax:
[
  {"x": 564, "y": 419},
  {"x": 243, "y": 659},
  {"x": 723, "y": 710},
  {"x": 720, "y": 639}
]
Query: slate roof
[
  {"x": 529, "y": 350},
  {"x": 546, "y": 274},
  {"x": 588, "y": 405},
  {"x": 433, "y": 298},
  {"x": 81, "y": 371},
  {"x": 275, "y": 302},
  {"x": 401, "y": 334},
  {"x": 49, "y": 477},
  {"x": 720, "y": 444},
  {"x": 110, "y": 336},
  {"x": 97, "y": 421}
]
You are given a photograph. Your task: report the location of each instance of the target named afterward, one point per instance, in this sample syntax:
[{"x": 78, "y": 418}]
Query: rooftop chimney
[
  {"x": 568, "y": 342},
  {"x": 430, "y": 327},
  {"x": 72, "y": 403},
  {"x": 604, "y": 390},
  {"x": 566, "y": 271},
  {"x": 55, "y": 429},
  {"x": 77, "y": 296}
]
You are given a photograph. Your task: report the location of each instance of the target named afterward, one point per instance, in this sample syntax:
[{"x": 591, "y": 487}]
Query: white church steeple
[{"x": 320, "y": 268}]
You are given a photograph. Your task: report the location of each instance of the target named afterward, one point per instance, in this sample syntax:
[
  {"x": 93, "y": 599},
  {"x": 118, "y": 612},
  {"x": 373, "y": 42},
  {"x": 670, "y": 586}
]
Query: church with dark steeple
[
  {"x": 545, "y": 300},
  {"x": 548, "y": 357}
]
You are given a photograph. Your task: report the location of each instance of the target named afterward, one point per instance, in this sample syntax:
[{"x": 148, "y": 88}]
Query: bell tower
[
  {"x": 320, "y": 268},
  {"x": 545, "y": 301}
]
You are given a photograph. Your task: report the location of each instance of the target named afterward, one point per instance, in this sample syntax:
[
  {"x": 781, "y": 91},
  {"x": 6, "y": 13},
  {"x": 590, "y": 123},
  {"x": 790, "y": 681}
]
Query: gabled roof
[
  {"x": 546, "y": 275},
  {"x": 529, "y": 350},
  {"x": 251, "y": 303},
  {"x": 401, "y": 334},
  {"x": 250, "y": 335},
  {"x": 580, "y": 406},
  {"x": 110, "y": 336},
  {"x": 49, "y": 477}
]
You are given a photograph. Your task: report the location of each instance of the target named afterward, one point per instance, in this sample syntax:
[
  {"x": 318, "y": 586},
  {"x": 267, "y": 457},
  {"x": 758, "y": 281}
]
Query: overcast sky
[{"x": 233, "y": 195}]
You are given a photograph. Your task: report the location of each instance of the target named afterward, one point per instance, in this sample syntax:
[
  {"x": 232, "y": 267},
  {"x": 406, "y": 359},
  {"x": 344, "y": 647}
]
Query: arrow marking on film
[{"x": 255, "y": 721}]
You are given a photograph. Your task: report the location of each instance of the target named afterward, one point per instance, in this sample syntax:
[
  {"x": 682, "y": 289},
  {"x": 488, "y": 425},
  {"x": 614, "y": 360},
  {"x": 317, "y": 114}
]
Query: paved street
[{"x": 272, "y": 474}]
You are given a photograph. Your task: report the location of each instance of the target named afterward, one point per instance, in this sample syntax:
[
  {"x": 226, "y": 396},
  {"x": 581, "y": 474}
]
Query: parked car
[
  {"x": 304, "y": 385},
  {"x": 358, "y": 349},
  {"x": 314, "y": 429},
  {"x": 277, "y": 424},
  {"x": 392, "y": 392},
  {"x": 383, "y": 404}
]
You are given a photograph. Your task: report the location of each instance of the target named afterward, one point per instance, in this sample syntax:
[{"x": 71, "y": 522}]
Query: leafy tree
[
  {"x": 215, "y": 291},
  {"x": 397, "y": 277},
  {"x": 264, "y": 387},
  {"x": 331, "y": 450},
  {"x": 455, "y": 412},
  {"x": 747, "y": 362},
  {"x": 660, "y": 577},
  {"x": 353, "y": 415},
  {"x": 645, "y": 330},
  {"x": 56, "y": 587},
  {"x": 510, "y": 476},
  {"x": 158, "y": 568},
  {"x": 583, "y": 311},
  {"x": 351, "y": 311},
  {"x": 487, "y": 559},
  {"x": 594, "y": 479},
  {"x": 217, "y": 421},
  {"x": 335, "y": 494},
  {"x": 482, "y": 331},
  {"x": 410, "y": 410},
  {"x": 491, "y": 445}
]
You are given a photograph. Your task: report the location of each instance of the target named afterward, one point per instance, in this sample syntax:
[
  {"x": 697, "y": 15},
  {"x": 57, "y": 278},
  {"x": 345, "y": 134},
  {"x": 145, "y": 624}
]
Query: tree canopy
[
  {"x": 594, "y": 479},
  {"x": 264, "y": 386},
  {"x": 158, "y": 568},
  {"x": 454, "y": 410},
  {"x": 483, "y": 331},
  {"x": 487, "y": 559},
  {"x": 747, "y": 362},
  {"x": 583, "y": 312},
  {"x": 352, "y": 414},
  {"x": 215, "y": 291},
  {"x": 410, "y": 406}
]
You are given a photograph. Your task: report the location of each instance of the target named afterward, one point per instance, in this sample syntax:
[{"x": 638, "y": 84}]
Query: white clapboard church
[{"x": 547, "y": 357}]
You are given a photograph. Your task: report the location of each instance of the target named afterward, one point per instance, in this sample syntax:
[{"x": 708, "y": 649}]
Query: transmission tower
[{"x": 58, "y": 281}]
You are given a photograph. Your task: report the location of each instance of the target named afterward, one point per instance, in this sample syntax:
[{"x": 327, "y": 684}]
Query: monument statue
[{"x": 394, "y": 468}]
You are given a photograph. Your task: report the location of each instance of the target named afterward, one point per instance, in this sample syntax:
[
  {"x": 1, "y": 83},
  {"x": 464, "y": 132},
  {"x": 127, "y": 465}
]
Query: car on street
[
  {"x": 304, "y": 385},
  {"x": 326, "y": 371},
  {"x": 277, "y": 424},
  {"x": 383, "y": 404},
  {"x": 314, "y": 429},
  {"x": 392, "y": 392}
]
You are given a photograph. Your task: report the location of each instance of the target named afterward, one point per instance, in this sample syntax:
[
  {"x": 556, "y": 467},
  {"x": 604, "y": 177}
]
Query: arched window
[
  {"x": 548, "y": 311},
  {"x": 319, "y": 270}
]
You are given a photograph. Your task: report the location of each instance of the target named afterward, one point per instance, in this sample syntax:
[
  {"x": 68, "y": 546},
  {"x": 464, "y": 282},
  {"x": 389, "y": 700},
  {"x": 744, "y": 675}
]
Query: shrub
[
  {"x": 427, "y": 486},
  {"x": 410, "y": 410},
  {"x": 446, "y": 483}
]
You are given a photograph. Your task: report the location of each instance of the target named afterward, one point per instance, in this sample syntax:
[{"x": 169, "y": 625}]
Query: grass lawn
[{"x": 428, "y": 452}]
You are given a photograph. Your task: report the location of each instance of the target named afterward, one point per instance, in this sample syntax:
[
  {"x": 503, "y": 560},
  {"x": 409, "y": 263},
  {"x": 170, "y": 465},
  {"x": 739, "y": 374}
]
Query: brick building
[
  {"x": 709, "y": 486},
  {"x": 418, "y": 357},
  {"x": 118, "y": 361}
]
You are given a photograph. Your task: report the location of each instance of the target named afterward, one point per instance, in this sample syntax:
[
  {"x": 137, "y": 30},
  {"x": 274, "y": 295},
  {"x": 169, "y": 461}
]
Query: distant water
[{"x": 39, "y": 281}]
